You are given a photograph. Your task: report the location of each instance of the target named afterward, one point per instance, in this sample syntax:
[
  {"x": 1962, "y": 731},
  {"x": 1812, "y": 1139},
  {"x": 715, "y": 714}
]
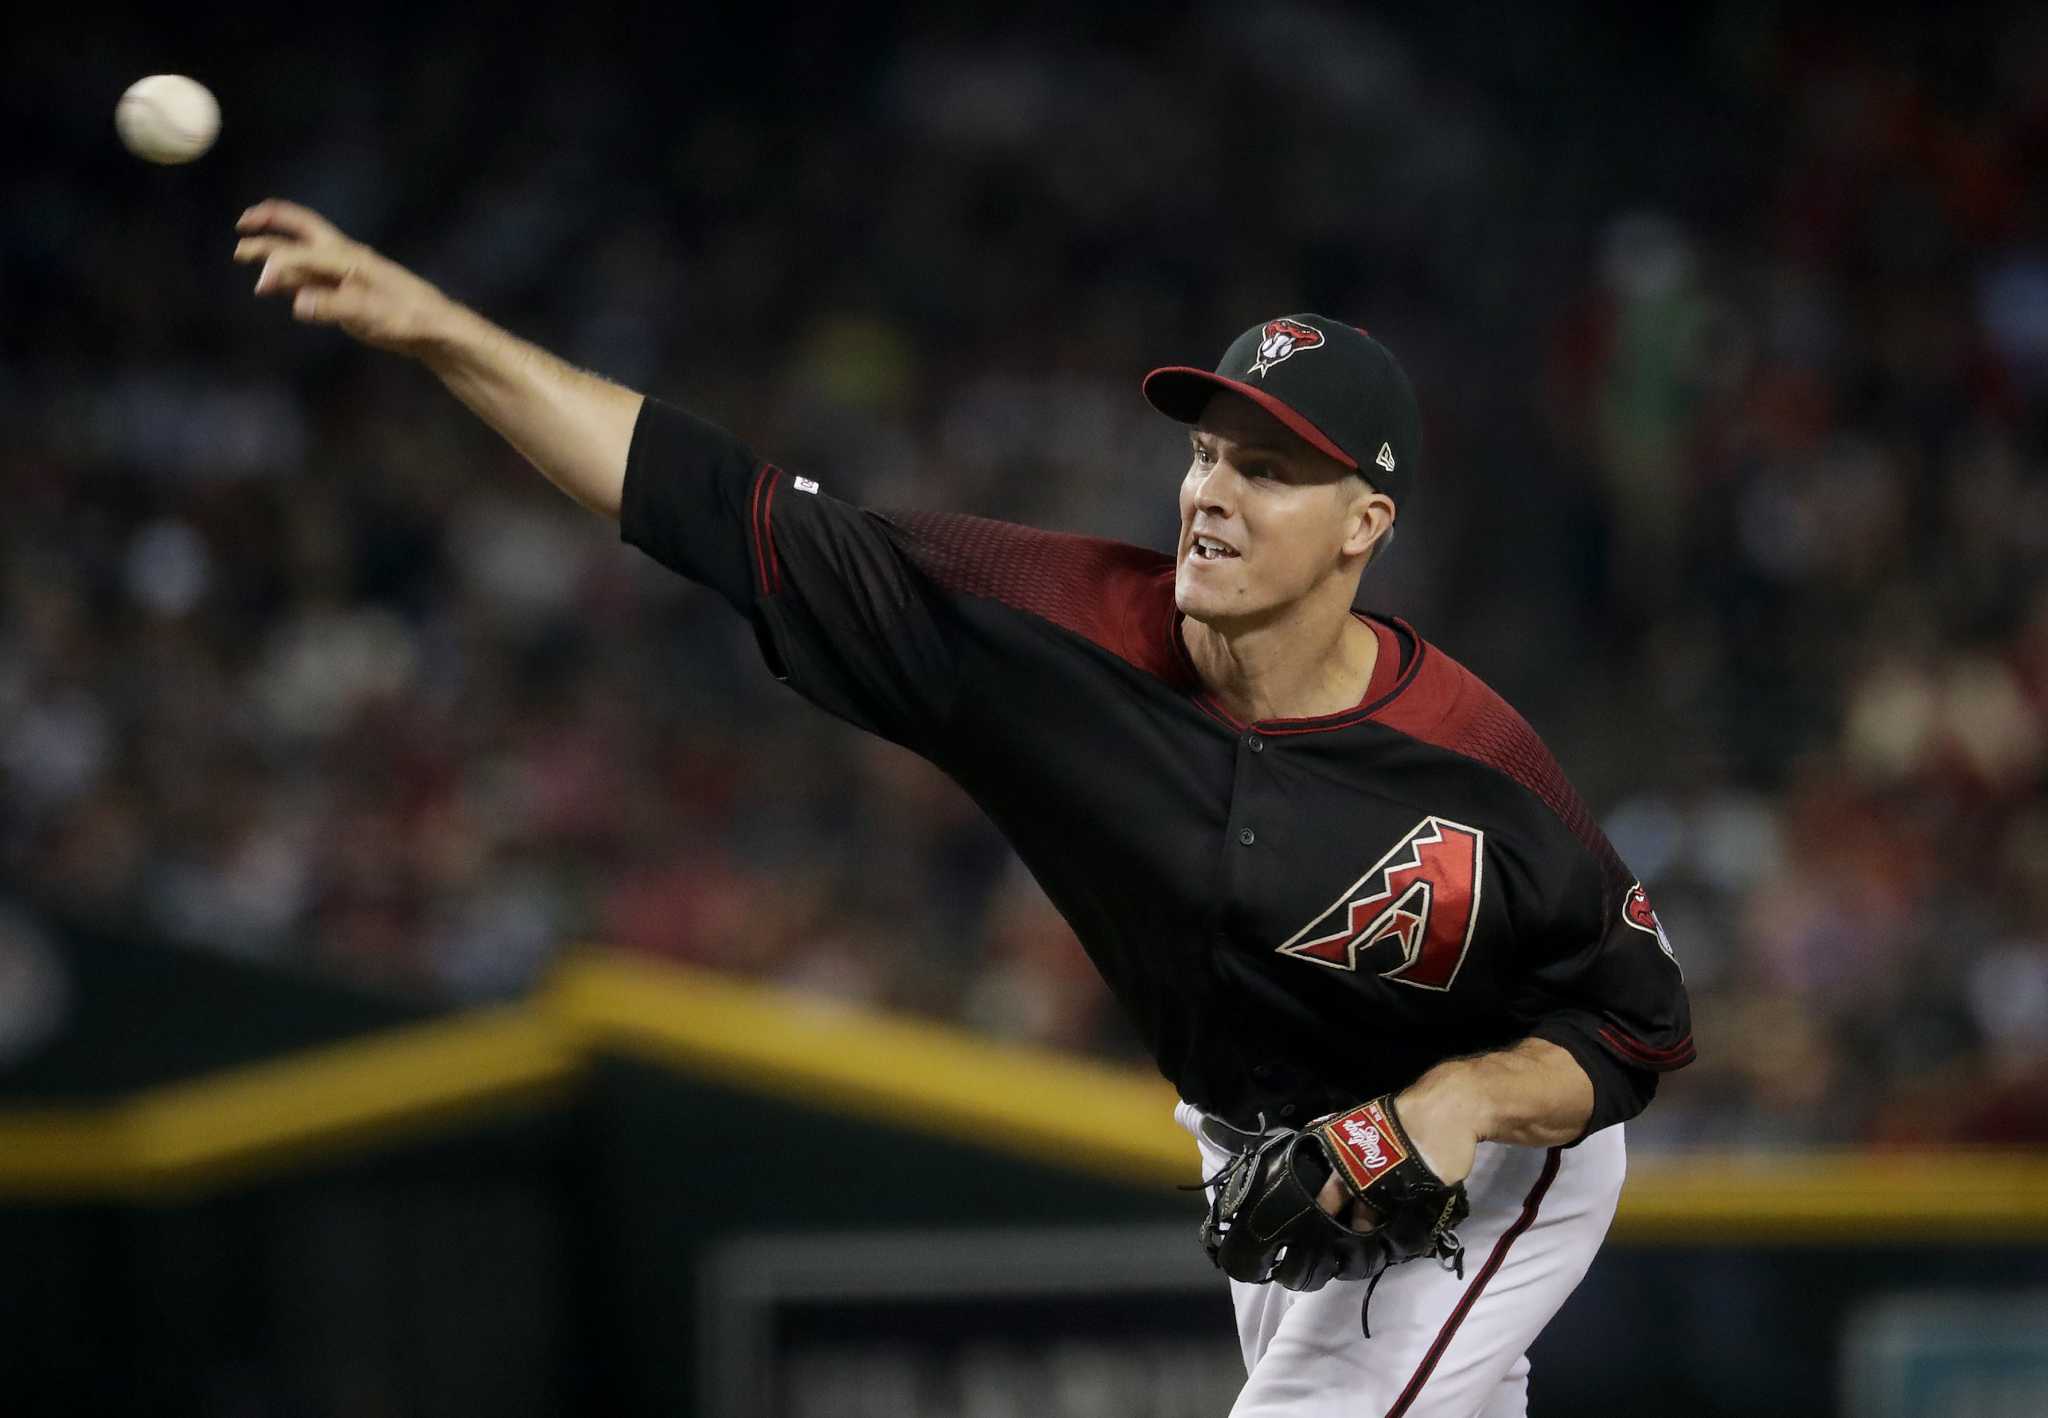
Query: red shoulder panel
[
  {"x": 1449, "y": 706},
  {"x": 1118, "y": 596}
]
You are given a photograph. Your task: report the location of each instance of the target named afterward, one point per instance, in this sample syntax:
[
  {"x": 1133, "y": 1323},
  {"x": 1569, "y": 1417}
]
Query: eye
[{"x": 1202, "y": 454}]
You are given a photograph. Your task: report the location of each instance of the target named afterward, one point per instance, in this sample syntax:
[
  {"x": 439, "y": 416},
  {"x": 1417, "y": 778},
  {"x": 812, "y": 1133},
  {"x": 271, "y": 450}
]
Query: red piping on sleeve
[
  {"x": 1680, "y": 1053},
  {"x": 773, "y": 477},
  {"x": 767, "y": 571}
]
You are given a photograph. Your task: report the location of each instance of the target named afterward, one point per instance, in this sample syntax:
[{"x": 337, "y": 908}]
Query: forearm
[
  {"x": 1534, "y": 1095},
  {"x": 573, "y": 426}
]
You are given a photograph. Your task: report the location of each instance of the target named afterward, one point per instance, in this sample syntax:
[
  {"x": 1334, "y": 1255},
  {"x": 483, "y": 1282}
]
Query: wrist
[
  {"x": 1453, "y": 1093},
  {"x": 450, "y": 336}
]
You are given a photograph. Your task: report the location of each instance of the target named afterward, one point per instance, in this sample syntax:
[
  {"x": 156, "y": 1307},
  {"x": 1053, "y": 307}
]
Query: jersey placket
[{"x": 1253, "y": 833}]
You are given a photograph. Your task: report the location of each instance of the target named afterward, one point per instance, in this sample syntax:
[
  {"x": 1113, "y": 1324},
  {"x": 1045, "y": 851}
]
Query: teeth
[{"x": 1210, "y": 549}]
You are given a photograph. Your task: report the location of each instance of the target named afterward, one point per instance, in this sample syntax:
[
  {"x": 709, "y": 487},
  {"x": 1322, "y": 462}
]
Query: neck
[{"x": 1312, "y": 662}]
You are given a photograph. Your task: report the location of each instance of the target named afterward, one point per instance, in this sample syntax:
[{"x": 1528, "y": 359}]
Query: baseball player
[{"x": 1405, "y": 988}]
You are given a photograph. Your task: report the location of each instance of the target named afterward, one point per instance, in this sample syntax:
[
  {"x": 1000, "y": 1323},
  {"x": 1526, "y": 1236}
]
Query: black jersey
[{"x": 1294, "y": 914}]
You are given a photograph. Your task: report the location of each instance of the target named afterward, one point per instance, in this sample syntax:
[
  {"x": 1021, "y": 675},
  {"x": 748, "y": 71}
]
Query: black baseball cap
[{"x": 1334, "y": 385}]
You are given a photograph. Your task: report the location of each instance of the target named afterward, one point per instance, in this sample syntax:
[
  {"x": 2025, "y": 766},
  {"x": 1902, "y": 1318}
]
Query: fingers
[
  {"x": 292, "y": 264},
  {"x": 325, "y": 305},
  {"x": 274, "y": 214},
  {"x": 1336, "y": 1200},
  {"x": 1333, "y": 1196},
  {"x": 289, "y": 270},
  {"x": 296, "y": 245},
  {"x": 331, "y": 280},
  {"x": 257, "y": 248}
]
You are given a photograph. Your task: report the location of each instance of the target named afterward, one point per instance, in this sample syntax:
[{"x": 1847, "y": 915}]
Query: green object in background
[{"x": 1973, "y": 1354}]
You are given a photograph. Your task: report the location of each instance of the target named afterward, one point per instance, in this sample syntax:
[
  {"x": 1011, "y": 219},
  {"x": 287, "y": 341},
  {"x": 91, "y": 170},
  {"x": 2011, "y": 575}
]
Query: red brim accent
[{"x": 1180, "y": 392}]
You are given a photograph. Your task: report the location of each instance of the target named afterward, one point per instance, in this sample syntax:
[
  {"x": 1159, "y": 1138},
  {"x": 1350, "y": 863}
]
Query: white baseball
[{"x": 167, "y": 118}]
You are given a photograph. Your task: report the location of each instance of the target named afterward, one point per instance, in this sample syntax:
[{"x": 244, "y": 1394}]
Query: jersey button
[
  {"x": 1254, "y": 743},
  {"x": 1245, "y": 837}
]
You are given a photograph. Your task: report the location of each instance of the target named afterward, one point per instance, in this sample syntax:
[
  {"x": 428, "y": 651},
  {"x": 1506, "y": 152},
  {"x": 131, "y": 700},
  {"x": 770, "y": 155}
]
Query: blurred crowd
[{"x": 1732, "y": 340}]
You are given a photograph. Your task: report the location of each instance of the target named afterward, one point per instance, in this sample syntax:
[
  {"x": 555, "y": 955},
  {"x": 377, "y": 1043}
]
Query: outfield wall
[{"x": 647, "y": 1190}]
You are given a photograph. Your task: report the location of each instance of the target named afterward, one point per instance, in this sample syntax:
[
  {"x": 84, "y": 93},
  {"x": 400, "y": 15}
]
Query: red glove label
[{"x": 1366, "y": 1143}]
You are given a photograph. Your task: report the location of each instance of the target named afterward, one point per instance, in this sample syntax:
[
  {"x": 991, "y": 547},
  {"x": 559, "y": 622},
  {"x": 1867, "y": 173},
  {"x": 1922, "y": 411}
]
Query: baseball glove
[{"x": 1265, "y": 1223}]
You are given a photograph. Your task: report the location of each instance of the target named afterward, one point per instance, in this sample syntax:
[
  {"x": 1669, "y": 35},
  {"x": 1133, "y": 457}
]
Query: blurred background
[{"x": 1730, "y": 327}]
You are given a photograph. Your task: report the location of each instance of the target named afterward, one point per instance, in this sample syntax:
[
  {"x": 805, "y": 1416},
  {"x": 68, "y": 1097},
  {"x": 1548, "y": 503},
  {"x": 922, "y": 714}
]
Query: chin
[{"x": 1202, "y": 603}]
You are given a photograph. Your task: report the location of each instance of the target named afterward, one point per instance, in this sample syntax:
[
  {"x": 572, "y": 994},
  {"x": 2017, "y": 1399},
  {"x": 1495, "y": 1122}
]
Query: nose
[{"x": 1216, "y": 491}]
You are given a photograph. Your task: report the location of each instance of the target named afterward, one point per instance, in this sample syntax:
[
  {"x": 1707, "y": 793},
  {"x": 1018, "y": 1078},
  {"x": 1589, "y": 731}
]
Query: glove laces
[{"x": 1449, "y": 1253}]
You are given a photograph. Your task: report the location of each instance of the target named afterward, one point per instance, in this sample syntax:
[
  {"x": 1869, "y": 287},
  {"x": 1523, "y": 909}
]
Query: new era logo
[
  {"x": 1386, "y": 458},
  {"x": 806, "y": 485}
]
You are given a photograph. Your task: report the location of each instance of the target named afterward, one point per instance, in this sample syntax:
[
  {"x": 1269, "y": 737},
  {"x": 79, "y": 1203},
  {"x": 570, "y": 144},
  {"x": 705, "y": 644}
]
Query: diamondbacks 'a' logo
[
  {"x": 1410, "y": 918},
  {"x": 1281, "y": 339},
  {"x": 1636, "y": 910}
]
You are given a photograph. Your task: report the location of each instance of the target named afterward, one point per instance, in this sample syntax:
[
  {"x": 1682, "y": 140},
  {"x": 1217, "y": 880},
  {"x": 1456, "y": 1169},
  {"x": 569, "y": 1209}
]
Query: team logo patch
[
  {"x": 1410, "y": 918},
  {"x": 1283, "y": 339},
  {"x": 1636, "y": 910},
  {"x": 1365, "y": 1142}
]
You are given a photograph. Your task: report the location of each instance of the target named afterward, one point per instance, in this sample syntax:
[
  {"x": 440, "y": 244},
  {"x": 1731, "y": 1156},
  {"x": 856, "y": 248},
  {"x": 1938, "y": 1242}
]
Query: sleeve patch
[{"x": 1637, "y": 911}]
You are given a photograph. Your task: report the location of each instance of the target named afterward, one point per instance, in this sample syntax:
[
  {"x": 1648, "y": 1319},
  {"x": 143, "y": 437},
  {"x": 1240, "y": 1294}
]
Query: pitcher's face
[{"x": 1264, "y": 517}]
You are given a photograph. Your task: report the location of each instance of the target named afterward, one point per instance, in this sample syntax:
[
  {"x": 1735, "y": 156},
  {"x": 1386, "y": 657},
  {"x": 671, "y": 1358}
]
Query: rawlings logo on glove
[{"x": 1362, "y": 1142}]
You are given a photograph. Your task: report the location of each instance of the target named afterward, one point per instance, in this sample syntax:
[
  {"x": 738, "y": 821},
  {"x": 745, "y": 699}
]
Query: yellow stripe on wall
[
  {"x": 318, "y": 1102},
  {"x": 59, "y": 1153},
  {"x": 1029, "y": 1103},
  {"x": 1056, "y": 1108},
  {"x": 1842, "y": 1196}
]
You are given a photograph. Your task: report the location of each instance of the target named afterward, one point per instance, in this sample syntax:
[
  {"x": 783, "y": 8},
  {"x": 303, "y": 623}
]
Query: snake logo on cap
[{"x": 1281, "y": 339}]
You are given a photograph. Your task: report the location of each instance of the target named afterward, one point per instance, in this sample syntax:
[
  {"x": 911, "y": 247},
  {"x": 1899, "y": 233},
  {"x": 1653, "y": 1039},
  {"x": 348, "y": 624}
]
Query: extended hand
[{"x": 336, "y": 281}]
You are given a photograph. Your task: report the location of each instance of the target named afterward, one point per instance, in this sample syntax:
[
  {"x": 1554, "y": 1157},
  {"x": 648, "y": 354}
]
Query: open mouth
[{"x": 1209, "y": 549}]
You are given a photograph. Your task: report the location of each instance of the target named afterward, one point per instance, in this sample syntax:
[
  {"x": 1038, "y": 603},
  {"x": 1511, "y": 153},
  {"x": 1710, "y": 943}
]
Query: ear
[{"x": 1368, "y": 517}]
